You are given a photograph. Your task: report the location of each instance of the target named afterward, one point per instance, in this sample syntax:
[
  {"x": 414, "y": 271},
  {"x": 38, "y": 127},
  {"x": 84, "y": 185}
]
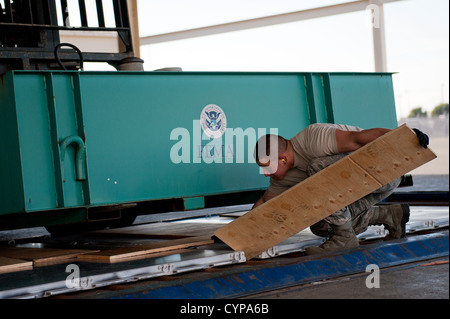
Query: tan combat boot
[
  {"x": 342, "y": 237},
  {"x": 393, "y": 217}
]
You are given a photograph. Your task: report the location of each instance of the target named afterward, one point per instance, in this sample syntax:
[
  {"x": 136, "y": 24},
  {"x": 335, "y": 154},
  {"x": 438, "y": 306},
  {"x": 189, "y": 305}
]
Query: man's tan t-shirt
[{"x": 316, "y": 140}]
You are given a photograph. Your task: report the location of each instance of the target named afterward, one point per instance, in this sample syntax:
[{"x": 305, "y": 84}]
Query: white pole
[{"x": 379, "y": 41}]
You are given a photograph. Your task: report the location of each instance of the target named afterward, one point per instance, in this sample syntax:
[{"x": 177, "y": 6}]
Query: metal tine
[
  {"x": 121, "y": 14},
  {"x": 8, "y": 9},
  {"x": 52, "y": 13},
  {"x": 100, "y": 15},
  {"x": 30, "y": 10},
  {"x": 83, "y": 15},
  {"x": 117, "y": 13},
  {"x": 125, "y": 19},
  {"x": 65, "y": 12}
]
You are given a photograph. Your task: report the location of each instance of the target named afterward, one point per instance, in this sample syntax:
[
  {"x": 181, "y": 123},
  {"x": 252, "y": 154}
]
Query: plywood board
[
  {"x": 392, "y": 155},
  {"x": 13, "y": 265},
  {"x": 129, "y": 253},
  {"x": 42, "y": 256},
  {"x": 342, "y": 183}
]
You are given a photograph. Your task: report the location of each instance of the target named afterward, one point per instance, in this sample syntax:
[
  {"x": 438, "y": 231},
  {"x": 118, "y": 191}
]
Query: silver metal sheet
[
  {"x": 53, "y": 280},
  {"x": 421, "y": 218}
]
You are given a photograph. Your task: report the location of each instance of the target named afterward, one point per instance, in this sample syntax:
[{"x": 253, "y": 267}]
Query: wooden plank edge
[
  {"x": 139, "y": 257},
  {"x": 54, "y": 260},
  {"x": 12, "y": 265},
  {"x": 125, "y": 253}
]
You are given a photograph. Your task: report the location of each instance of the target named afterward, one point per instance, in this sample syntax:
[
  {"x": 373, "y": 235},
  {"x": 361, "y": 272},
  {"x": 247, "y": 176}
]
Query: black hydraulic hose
[{"x": 73, "y": 47}]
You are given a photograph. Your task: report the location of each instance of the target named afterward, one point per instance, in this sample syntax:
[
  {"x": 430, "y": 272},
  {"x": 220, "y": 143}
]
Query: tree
[
  {"x": 440, "y": 109},
  {"x": 417, "y": 112}
]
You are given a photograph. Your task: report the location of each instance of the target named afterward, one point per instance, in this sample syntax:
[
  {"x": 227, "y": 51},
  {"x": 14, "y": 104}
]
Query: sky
[{"x": 417, "y": 42}]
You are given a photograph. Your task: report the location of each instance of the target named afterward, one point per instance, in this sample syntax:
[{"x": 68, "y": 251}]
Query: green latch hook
[{"x": 80, "y": 158}]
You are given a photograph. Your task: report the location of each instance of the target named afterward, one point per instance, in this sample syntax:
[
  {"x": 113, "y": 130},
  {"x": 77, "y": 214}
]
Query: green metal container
[{"x": 89, "y": 139}]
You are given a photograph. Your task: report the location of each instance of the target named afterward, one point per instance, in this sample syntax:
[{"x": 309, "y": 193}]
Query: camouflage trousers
[{"x": 359, "y": 212}]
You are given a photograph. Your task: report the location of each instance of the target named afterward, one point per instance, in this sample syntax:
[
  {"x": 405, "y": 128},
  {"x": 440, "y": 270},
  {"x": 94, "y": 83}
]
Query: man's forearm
[
  {"x": 349, "y": 141},
  {"x": 367, "y": 136}
]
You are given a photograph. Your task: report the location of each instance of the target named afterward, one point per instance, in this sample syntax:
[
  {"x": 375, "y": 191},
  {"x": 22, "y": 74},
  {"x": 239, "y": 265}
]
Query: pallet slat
[
  {"x": 42, "y": 256},
  {"x": 129, "y": 253},
  {"x": 13, "y": 265}
]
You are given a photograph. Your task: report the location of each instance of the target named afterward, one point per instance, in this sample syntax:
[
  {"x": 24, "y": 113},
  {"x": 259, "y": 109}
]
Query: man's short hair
[{"x": 270, "y": 145}]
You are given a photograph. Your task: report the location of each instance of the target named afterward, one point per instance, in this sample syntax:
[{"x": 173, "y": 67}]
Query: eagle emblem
[{"x": 213, "y": 121}]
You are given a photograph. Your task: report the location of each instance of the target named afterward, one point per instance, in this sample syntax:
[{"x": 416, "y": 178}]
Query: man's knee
[
  {"x": 390, "y": 187},
  {"x": 322, "y": 229}
]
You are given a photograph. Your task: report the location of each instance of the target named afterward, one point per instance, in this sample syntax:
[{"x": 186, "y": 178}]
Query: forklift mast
[{"x": 30, "y": 34}]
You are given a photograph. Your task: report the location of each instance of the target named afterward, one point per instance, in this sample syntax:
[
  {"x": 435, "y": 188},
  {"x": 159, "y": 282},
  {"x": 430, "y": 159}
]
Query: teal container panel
[
  {"x": 366, "y": 100},
  {"x": 318, "y": 104},
  {"x": 35, "y": 142},
  {"x": 11, "y": 182},
  {"x": 129, "y": 119}
]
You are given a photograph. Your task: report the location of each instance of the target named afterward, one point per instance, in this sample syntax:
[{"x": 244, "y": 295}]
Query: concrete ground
[{"x": 422, "y": 280}]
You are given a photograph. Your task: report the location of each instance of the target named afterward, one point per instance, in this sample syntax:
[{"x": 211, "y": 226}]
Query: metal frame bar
[
  {"x": 361, "y": 5},
  {"x": 83, "y": 15},
  {"x": 8, "y": 11},
  {"x": 100, "y": 14},
  {"x": 64, "y": 12},
  {"x": 379, "y": 41}
]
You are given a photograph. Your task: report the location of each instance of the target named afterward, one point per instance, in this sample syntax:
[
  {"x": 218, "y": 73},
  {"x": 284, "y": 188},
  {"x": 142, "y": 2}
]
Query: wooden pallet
[{"x": 342, "y": 183}]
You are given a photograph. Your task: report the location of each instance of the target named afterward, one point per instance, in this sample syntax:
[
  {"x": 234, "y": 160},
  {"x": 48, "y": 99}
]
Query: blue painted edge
[{"x": 270, "y": 276}]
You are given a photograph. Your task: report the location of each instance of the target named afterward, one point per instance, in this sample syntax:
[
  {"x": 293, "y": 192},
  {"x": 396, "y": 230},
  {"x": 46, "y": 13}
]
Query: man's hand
[
  {"x": 266, "y": 196},
  {"x": 423, "y": 138}
]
